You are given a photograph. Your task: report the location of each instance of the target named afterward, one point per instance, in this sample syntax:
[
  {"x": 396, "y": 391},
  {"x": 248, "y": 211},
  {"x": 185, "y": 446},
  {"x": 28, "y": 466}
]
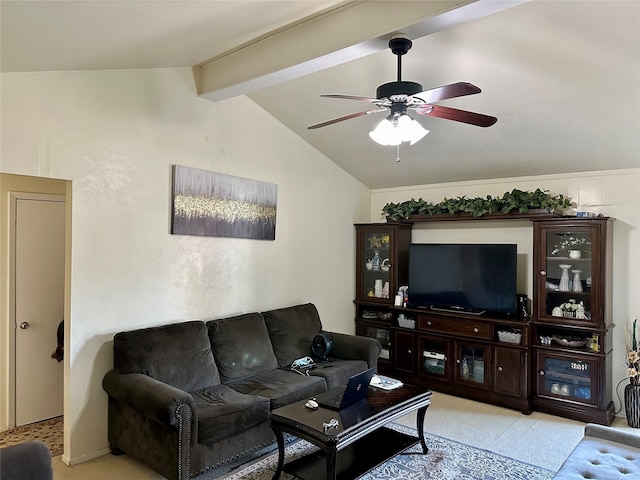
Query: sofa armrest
[
  {"x": 26, "y": 461},
  {"x": 156, "y": 400},
  {"x": 354, "y": 347}
]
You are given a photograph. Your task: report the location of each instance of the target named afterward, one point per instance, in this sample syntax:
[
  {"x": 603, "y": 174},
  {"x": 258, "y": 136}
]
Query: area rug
[
  {"x": 446, "y": 460},
  {"x": 49, "y": 431}
]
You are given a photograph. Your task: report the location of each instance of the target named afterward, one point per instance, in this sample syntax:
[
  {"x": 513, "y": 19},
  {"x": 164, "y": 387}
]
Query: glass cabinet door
[
  {"x": 567, "y": 378},
  {"x": 375, "y": 265},
  {"x": 383, "y": 336},
  {"x": 569, "y": 276},
  {"x": 435, "y": 356},
  {"x": 470, "y": 364},
  {"x": 382, "y": 254}
]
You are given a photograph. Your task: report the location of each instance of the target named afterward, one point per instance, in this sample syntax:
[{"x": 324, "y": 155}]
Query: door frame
[{"x": 13, "y": 202}]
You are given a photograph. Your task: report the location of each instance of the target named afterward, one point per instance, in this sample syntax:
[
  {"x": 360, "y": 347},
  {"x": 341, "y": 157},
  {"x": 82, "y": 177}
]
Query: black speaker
[{"x": 523, "y": 306}]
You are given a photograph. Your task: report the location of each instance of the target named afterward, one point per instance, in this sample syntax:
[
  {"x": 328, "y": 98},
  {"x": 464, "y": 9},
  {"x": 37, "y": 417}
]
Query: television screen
[{"x": 471, "y": 278}]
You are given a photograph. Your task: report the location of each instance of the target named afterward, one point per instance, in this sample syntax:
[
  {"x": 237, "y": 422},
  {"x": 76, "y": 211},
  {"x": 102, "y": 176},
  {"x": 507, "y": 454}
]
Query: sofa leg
[{"x": 115, "y": 451}]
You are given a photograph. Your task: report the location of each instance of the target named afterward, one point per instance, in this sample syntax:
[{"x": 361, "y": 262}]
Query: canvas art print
[{"x": 218, "y": 205}]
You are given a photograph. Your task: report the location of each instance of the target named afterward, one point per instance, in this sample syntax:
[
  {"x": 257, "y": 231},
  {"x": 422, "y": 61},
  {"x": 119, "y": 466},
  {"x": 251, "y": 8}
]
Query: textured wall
[{"x": 115, "y": 135}]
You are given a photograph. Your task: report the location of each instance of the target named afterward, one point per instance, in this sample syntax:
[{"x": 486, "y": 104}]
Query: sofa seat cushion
[
  {"x": 291, "y": 331},
  {"x": 281, "y": 387},
  {"x": 241, "y": 346},
  {"x": 338, "y": 372},
  {"x": 178, "y": 354},
  {"x": 223, "y": 412}
]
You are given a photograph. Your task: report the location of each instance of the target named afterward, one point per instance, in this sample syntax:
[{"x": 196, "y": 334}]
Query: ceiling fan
[{"x": 400, "y": 96}]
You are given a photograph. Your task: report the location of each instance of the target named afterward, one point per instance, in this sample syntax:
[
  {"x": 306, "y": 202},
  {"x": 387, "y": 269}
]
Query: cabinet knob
[
  {"x": 499, "y": 369},
  {"x": 543, "y": 272},
  {"x": 409, "y": 351},
  {"x": 429, "y": 323},
  {"x": 541, "y": 372},
  {"x": 457, "y": 360},
  {"x": 475, "y": 330}
]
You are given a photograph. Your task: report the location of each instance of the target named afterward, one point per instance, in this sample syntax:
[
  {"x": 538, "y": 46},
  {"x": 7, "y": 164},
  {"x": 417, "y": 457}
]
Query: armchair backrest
[{"x": 178, "y": 354}]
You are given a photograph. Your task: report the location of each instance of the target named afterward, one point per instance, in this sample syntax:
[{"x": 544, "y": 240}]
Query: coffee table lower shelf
[{"x": 356, "y": 459}]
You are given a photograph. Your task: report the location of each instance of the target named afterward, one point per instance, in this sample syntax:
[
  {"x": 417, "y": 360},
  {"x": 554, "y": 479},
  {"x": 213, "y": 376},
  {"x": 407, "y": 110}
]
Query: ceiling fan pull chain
[{"x": 398, "y": 153}]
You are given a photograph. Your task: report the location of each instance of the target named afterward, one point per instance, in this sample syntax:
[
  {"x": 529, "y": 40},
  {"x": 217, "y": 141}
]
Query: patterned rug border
[
  {"x": 263, "y": 467},
  {"x": 50, "y": 431},
  {"x": 504, "y": 457}
]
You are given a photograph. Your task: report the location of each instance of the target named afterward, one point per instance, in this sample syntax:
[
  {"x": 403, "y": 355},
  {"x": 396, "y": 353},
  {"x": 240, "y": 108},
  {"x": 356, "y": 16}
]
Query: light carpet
[
  {"x": 49, "y": 431},
  {"x": 446, "y": 460}
]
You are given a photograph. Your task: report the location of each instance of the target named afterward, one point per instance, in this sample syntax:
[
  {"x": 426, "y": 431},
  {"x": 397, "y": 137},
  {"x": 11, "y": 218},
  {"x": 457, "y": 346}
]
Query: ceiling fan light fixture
[{"x": 398, "y": 128}]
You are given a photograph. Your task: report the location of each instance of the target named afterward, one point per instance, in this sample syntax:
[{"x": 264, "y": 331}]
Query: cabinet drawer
[{"x": 455, "y": 326}]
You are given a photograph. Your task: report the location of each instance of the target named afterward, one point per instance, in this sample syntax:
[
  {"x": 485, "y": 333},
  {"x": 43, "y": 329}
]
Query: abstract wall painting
[{"x": 218, "y": 205}]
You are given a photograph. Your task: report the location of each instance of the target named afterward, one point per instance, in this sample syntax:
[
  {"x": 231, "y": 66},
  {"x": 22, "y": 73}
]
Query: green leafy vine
[{"x": 514, "y": 201}]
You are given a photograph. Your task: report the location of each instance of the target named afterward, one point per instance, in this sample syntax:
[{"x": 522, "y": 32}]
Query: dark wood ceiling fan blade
[
  {"x": 352, "y": 97},
  {"x": 346, "y": 117},
  {"x": 464, "y": 116},
  {"x": 453, "y": 90}
]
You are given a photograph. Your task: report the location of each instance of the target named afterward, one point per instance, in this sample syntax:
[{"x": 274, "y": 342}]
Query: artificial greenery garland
[{"x": 516, "y": 200}]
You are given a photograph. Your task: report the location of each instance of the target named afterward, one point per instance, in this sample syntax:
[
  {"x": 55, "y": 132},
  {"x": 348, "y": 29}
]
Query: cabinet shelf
[
  {"x": 570, "y": 379},
  {"x": 560, "y": 348},
  {"x": 584, "y": 294},
  {"x": 569, "y": 259}
]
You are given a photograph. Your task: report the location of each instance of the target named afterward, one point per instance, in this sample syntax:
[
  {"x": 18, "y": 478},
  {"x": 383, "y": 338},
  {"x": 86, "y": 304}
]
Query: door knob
[{"x": 24, "y": 325}]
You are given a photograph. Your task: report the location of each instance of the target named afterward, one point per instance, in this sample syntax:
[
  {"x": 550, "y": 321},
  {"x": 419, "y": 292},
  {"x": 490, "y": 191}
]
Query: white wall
[
  {"x": 115, "y": 135},
  {"x": 613, "y": 193}
]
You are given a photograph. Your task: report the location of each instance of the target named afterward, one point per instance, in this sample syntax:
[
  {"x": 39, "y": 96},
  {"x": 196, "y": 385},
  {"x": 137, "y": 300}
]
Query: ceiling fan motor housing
[{"x": 387, "y": 90}]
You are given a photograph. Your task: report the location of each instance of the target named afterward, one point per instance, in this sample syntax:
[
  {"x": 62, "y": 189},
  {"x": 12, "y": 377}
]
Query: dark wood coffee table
[{"x": 359, "y": 443}]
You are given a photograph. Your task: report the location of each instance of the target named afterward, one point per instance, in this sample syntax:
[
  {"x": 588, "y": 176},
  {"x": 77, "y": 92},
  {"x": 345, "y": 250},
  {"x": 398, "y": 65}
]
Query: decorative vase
[
  {"x": 466, "y": 368},
  {"x": 575, "y": 253},
  {"x": 564, "y": 278},
  {"x": 377, "y": 287},
  {"x": 632, "y": 404},
  {"x": 577, "y": 281},
  {"x": 376, "y": 260}
]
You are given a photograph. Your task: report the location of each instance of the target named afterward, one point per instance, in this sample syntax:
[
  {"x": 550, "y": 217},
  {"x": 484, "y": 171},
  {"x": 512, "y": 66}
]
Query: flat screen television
[{"x": 469, "y": 278}]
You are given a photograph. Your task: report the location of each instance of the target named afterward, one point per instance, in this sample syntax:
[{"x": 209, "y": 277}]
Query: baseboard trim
[{"x": 84, "y": 458}]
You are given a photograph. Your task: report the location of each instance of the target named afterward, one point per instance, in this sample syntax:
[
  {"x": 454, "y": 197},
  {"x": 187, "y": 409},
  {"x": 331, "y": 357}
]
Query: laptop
[{"x": 341, "y": 397}]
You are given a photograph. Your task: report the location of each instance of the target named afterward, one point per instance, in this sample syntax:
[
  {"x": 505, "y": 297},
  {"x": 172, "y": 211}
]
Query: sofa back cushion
[
  {"x": 291, "y": 331},
  {"x": 241, "y": 346},
  {"x": 177, "y": 354}
]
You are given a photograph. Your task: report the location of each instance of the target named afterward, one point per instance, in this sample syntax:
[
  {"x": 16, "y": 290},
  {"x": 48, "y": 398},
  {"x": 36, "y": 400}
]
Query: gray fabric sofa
[
  {"x": 604, "y": 453},
  {"x": 193, "y": 399},
  {"x": 26, "y": 461}
]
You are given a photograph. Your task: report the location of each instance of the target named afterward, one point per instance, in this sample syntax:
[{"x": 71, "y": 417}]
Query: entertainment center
[{"x": 556, "y": 359}]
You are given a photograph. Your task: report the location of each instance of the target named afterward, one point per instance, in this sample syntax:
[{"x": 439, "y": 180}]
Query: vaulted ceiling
[{"x": 562, "y": 77}]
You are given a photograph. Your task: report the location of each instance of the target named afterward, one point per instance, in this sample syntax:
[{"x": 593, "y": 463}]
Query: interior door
[{"x": 39, "y": 306}]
